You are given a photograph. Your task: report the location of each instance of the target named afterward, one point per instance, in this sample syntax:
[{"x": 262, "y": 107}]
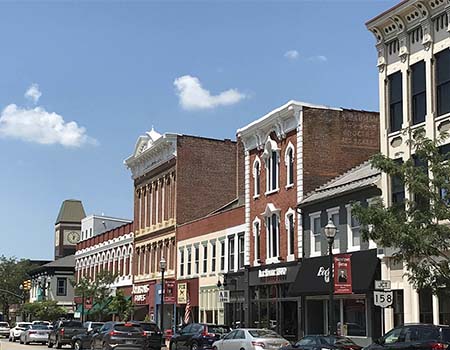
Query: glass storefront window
[
  {"x": 444, "y": 307},
  {"x": 355, "y": 317},
  {"x": 426, "y": 306}
]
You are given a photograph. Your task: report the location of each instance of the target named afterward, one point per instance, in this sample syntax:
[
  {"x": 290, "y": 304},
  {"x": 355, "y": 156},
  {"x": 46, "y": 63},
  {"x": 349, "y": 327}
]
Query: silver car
[
  {"x": 4, "y": 329},
  {"x": 14, "y": 333},
  {"x": 250, "y": 339},
  {"x": 36, "y": 333}
]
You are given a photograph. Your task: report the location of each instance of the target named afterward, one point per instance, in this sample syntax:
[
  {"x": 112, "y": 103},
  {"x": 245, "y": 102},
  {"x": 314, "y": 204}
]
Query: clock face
[{"x": 73, "y": 237}]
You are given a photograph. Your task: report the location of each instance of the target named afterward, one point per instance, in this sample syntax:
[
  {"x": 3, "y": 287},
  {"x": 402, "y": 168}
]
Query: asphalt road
[{"x": 6, "y": 345}]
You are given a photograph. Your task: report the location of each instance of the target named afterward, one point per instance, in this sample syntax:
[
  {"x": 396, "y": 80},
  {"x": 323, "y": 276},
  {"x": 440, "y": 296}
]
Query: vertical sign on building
[
  {"x": 182, "y": 293},
  {"x": 343, "y": 274}
]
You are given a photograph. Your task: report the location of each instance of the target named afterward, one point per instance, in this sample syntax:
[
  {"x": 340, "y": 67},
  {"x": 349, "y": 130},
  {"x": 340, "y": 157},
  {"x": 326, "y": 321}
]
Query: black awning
[{"x": 311, "y": 278}]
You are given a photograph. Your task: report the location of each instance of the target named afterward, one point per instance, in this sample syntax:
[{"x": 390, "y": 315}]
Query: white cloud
[
  {"x": 292, "y": 55},
  {"x": 318, "y": 58},
  {"x": 193, "y": 96},
  {"x": 33, "y": 93},
  {"x": 38, "y": 125}
]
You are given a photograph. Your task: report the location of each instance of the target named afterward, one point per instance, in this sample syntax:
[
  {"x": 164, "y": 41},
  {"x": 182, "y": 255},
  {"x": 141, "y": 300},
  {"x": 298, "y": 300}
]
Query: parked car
[
  {"x": 45, "y": 323},
  {"x": 196, "y": 336},
  {"x": 63, "y": 331},
  {"x": 90, "y": 325},
  {"x": 119, "y": 335},
  {"x": 153, "y": 333},
  {"x": 251, "y": 339},
  {"x": 414, "y": 336},
  {"x": 4, "y": 329},
  {"x": 319, "y": 342},
  {"x": 36, "y": 333},
  {"x": 84, "y": 340},
  {"x": 15, "y": 332}
]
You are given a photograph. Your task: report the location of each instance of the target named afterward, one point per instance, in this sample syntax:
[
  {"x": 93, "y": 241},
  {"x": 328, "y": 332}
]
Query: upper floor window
[
  {"x": 257, "y": 238},
  {"x": 257, "y": 177},
  {"x": 273, "y": 236},
  {"x": 197, "y": 259},
  {"x": 181, "y": 262},
  {"x": 231, "y": 253},
  {"x": 316, "y": 229},
  {"x": 213, "y": 256},
  {"x": 397, "y": 189},
  {"x": 189, "y": 261},
  {"x": 271, "y": 158},
  {"x": 418, "y": 92},
  {"x": 61, "y": 286},
  {"x": 289, "y": 160},
  {"x": 443, "y": 82},
  {"x": 222, "y": 255},
  {"x": 353, "y": 227},
  {"x": 241, "y": 251},
  {"x": 333, "y": 215},
  {"x": 290, "y": 233},
  {"x": 395, "y": 102},
  {"x": 205, "y": 258}
]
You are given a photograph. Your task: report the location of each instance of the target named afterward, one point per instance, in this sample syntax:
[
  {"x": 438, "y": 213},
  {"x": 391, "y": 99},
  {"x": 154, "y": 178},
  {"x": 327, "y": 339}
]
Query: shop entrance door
[
  {"x": 289, "y": 320},
  {"x": 315, "y": 312}
]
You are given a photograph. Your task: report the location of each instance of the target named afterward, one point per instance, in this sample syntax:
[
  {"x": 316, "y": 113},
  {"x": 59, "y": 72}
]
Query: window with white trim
[
  {"x": 205, "y": 258},
  {"x": 197, "y": 259},
  {"x": 289, "y": 161},
  {"x": 181, "y": 262},
  {"x": 273, "y": 236},
  {"x": 256, "y": 177},
  {"x": 222, "y": 255},
  {"x": 241, "y": 251},
  {"x": 213, "y": 256},
  {"x": 272, "y": 159},
  {"x": 231, "y": 253},
  {"x": 316, "y": 229},
  {"x": 356, "y": 233},
  {"x": 333, "y": 215},
  {"x": 61, "y": 287},
  {"x": 257, "y": 238},
  {"x": 189, "y": 261},
  {"x": 290, "y": 233}
]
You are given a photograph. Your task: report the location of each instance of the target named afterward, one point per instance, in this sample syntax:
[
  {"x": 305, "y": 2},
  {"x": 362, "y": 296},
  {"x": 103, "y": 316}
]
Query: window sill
[
  {"x": 395, "y": 133},
  {"x": 256, "y": 197},
  {"x": 256, "y": 263},
  {"x": 441, "y": 117},
  {"x": 353, "y": 248},
  {"x": 268, "y": 193},
  {"x": 418, "y": 125},
  {"x": 274, "y": 260},
  {"x": 314, "y": 254},
  {"x": 287, "y": 187}
]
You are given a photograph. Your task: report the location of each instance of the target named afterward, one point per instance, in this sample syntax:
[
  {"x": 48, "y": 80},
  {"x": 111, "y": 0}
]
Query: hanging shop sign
[
  {"x": 182, "y": 293},
  {"x": 282, "y": 274},
  {"x": 342, "y": 274},
  {"x": 140, "y": 294},
  {"x": 224, "y": 296},
  {"x": 169, "y": 293}
]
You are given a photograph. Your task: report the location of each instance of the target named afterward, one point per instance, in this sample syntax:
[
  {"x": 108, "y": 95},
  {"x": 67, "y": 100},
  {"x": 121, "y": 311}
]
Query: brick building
[
  {"x": 177, "y": 179},
  {"x": 288, "y": 152}
]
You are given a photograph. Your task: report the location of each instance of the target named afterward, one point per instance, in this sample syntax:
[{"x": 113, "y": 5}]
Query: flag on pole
[{"x": 187, "y": 311}]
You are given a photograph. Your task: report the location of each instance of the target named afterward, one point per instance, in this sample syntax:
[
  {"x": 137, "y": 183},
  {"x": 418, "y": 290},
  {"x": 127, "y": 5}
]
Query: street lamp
[
  {"x": 162, "y": 267},
  {"x": 330, "y": 233},
  {"x": 44, "y": 284}
]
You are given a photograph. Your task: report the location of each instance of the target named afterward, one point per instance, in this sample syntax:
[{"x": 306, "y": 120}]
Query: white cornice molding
[{"x": 105, "y": 246}]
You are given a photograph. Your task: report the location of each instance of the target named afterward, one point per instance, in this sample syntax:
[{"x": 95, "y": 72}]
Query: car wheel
[
  {"x": 78, "y": 345},
  {"x": 194, "y": 346}
]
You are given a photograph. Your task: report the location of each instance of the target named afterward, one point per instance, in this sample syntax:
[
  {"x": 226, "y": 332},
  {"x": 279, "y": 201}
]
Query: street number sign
[
  {"x": 224, "y": 296},
  {"x": 383, "y": 299},
  {"x": 383, "y": 284}
]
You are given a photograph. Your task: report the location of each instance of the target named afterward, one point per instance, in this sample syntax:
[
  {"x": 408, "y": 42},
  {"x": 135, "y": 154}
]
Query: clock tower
[{"x": 68, "y": 227}]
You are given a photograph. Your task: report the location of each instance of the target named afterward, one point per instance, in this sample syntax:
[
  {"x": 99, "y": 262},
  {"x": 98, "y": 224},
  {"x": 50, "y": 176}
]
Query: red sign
[
  {"x": 169, "y": 293},
  {"x": 343, "y": 274},
  {"x": 88, "y": 303}
]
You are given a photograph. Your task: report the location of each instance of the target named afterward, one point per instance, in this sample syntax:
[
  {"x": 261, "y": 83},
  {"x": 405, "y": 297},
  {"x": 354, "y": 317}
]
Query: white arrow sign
[{"x": 383, "y": 299}]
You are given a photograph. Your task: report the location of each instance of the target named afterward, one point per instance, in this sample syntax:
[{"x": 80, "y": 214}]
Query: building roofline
[{"x": 381, "y": 15}]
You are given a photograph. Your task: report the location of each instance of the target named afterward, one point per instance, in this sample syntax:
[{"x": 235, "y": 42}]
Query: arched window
[
  {"x": 256, "y": 177},
  {"x": 290, "y": 230},
  {"x": 257, "y": 239},
  {"x": 289, "y": 161},
  {"x": 272, "y": 159}
]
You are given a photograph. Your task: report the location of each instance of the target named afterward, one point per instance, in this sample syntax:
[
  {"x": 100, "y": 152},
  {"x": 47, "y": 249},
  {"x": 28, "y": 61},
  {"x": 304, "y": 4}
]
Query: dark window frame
[
  {"x": 395, "y": 101},
  {"x": 418, "y": 92},
  {"x": 442, "y": 72},
  {"x": 63, "y": 291}
]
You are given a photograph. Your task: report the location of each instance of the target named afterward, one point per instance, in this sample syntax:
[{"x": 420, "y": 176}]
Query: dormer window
[
  {"x": 289, "y": 161},
  {"x": 256, "y": 177},
  {"x": 272, "y": 160}
]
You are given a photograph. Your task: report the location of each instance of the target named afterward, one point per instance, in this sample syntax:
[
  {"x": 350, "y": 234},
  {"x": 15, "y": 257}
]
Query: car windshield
[
  {"x": 263, "y": 333},
  {"x": 218, "y": 329},
  {"x": 339, "y": 341},
  {"x": 72, "y": 324},
  {"x": 149, "y": 327},
  {"x": 124, "y": 328},
  {"x": 39, "y": 326},
  {"x": 4, "y": 324}
]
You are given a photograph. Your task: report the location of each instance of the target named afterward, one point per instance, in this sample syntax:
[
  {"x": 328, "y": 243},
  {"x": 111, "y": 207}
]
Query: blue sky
[{"x": 117, "y": 68}]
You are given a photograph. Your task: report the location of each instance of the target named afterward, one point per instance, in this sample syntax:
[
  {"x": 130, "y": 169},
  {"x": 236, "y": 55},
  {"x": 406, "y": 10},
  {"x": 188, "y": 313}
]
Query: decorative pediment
[{"x": 270, "y": 209}]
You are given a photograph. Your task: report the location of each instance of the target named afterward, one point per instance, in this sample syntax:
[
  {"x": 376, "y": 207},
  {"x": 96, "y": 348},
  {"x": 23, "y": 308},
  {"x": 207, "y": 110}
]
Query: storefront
[
  {"x": 270, "y": 304},
  {"x": 236, "y": 310},
  {"x": 186, "y": 310},
  {"x": 143, "y": 298},
  {"x": 354, "y": 311},
  {"x": 169, "y": 302}
]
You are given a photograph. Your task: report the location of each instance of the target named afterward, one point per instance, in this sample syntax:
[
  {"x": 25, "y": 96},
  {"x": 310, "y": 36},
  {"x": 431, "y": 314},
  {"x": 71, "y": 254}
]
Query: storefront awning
[{"x": 311, "y": 278}]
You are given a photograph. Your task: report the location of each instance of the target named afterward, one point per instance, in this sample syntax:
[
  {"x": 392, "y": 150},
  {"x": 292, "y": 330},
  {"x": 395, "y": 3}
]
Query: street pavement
[{"x": 6, "y": 345}]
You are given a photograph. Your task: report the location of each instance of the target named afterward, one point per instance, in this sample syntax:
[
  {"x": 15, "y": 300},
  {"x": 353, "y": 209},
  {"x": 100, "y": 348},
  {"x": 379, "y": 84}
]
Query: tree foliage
[
  {"x": 121, "y": 306},
  {"x": 12, "y": 274},
  {"x": 47, "y": 310},
  {"x": 417, "y": 229}
]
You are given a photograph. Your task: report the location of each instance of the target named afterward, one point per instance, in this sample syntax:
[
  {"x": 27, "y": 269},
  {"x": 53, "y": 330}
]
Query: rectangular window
[
  {"x": 337, "y": 241},
  {"x": 197, "y": 259},
  {"x": 418, "y": 92},
  {"x": 291, "y": 234},
  {"x": 205, "y": 258},
  {"x": 356, "y": 233},
  {"x": 421, "y": 202},
  {"x": 398, "y": 189},
  {"x": 397, "y": 305},
  {"x": 189, "y": 261},
  {"x": 425, "y": 306},
  {"x": 222, "y": 255},
  {"x": 257, "y": 241},
  {"x": 274, "y": 170},
  {"x": 231, "y": 253},
  {"x": 395, "y": 102},
  {"x": 444, "y": 307},
  {"x": 213, "y": 256},
  {"x": 355, "y": 316},
  {"x": 61, "y": 286},
  {"x": 181, "y": 262},
  {"x": 443, "y": 82},
  {"x": 241, "y": 251},
  {"x": 316, "y": 234},
  {"x": 272, "y": 224}
]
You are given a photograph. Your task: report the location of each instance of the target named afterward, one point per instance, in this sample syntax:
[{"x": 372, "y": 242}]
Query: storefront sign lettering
[
  {"x": 279, "y": 271},
  {"x": 325, "y": 273},
  {"x": 139, "y": 298},
  {"x": 141, "y": 289},
  {"x": 343, "y": 274}
]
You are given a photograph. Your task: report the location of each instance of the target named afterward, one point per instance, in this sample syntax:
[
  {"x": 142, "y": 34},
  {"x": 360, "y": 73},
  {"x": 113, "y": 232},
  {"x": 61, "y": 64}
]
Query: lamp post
[
  {"x": 330, "y": 233},
  {"x": 162, "y": 267},
  {"x": 44, "y": 283}
]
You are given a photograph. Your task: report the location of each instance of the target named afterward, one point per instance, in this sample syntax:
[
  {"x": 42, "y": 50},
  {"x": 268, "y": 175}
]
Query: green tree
[
  {"x": 121, "y": 306},
  {"x": 43, "y": 310},
  {"x": 12, "y": 274},
  {"x": 417, "y": 229}
]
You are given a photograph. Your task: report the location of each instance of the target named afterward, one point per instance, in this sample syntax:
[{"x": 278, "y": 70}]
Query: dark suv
[
  {"x": 196, "y": 336},
  {"x": 119, "y": 335},
  {"x": 414, "y": 336},
  {"x": 153, "y": 333}
]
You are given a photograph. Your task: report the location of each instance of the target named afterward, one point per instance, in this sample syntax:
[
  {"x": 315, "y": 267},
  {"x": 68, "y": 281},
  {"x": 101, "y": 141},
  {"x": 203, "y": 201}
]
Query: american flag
[{"x": 187, "y": 311}]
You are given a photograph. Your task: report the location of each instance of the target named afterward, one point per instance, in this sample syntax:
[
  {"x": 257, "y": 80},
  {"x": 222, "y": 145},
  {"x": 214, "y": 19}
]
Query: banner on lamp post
[{"x": 343, "y": 274}]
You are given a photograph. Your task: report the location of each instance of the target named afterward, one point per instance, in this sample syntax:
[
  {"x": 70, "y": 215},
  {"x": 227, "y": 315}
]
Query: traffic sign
[
  {"x": 383, "y": 299},
  {"x": 383, "y": 284},
  {"x": 224, "y": 296}
]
